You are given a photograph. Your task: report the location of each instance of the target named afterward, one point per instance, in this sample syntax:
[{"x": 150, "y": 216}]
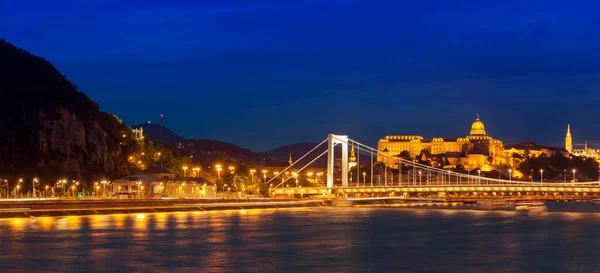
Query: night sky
[{"x": 270, "y": 73}]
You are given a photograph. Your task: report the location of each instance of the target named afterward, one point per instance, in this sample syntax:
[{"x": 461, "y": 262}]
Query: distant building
[
  {"x": 476, "y": 150},
  {"x": 352, "y": 160},
  {"x": 585, "y": 152},
  {"x": 157, "y": 181},
  {"x": 138, "y": 133},
  {"x": 532, "y": 149},
  {"x": 148, "y": 182}
]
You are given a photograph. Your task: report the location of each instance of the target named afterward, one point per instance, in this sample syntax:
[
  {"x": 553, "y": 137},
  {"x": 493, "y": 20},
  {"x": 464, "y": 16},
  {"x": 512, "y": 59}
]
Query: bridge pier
[{"x": 333, "y": 140}]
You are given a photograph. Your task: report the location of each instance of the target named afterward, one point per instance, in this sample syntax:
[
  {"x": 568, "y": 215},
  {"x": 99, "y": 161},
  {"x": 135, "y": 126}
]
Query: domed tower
[
  {"x": 477, "y": 128},
  {"x": 569, "y": 140}
]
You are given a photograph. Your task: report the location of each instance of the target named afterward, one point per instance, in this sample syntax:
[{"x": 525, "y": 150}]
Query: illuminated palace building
[{"x": 477, "y": 150}]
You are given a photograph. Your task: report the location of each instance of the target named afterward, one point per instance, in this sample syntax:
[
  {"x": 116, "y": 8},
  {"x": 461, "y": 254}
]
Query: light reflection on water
[{"x": 362, "y": 239}]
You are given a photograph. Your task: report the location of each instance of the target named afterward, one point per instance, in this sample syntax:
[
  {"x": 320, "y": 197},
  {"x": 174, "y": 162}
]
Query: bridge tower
[{"x": 333, "y": 140}]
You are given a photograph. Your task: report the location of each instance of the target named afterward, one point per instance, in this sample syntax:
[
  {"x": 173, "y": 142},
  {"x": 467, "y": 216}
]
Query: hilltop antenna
[{"x": 161, "y": 126}]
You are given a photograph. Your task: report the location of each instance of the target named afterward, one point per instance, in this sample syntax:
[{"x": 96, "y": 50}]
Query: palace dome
[{"x": 477, "y": 128}]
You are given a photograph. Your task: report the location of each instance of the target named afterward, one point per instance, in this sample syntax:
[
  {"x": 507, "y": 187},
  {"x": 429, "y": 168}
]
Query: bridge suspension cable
[{"x": 298, "y": 160}]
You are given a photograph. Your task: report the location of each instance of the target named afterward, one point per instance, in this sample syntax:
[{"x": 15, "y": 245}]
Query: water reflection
[{"x": 300, "y": 240}]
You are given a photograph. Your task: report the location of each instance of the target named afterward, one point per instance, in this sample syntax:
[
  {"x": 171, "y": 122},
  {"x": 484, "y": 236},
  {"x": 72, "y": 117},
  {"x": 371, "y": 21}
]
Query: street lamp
[
  {"x": 565, "y": 175},
  {"x": 531, "y": 175},
  {"x": 184, "y": 171},
  {"x": 541, "y": 175},
  {"x": 197, "y": 170},
  {"x": 264, "y": 172},
  {"x": 46, "y": 193},
  {"x": 218, "y": 167},
  {"x": 19, "y": 186},
  {"x": 364, "y": 178},
  {"x": 35, "y": 181},
  {"x": 252, "y": 171},
  {"x": 419, "y": 176},
  {"x": 574, "y": 175},
  {"x": 231, "y": 169}
]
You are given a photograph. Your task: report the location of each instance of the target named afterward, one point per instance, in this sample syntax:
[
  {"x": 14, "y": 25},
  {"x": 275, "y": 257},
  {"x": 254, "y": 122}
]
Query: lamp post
[
  {"x": 139, "y": 185},
  {"x": 197, "y": 170},
  {"x": 264, "y": 176},
  {"x": 565, "y": 176},
  {"x": 46, "y": 192},
  {"x": 365, "y": 178},
  {"x": 218, "y": 167},
  {"x": 531, "y": 175},
  {"x": 541, "y": 175},
  {"x": 296, "y": 176},
  {"x": 574, "y": 171},
  {"x": 510, "y": 174},
  {"x": 231, "y": 169},
  {"x": 252, "y": 171},
  {"x": 103, "y": 186},
  {"x": 419, "y": 177},
  {"x": 35, "y": 181},
  {"x": 479, "y": 173},
  {"x": 184, "y": 171},
  {"x": 19, "y": 186}
]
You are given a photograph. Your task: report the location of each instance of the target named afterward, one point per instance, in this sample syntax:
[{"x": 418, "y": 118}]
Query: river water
[{"x": 364, "y": 239}]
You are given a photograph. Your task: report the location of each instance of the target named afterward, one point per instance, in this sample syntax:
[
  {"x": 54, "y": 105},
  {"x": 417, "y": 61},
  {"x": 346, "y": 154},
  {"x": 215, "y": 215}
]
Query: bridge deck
[{"x": 544, "y": 188}]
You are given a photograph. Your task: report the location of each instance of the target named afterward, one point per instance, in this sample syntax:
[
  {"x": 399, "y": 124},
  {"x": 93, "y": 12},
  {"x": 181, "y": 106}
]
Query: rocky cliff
[{"x": 49, "y": 129}]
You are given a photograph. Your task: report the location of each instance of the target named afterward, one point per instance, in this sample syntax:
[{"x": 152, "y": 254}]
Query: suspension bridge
[{"x": 413, "y": 179}]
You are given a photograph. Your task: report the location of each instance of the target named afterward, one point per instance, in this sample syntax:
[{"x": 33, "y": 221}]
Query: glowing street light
[
  {"x": 197, "y": 170},
  {"x": 509, "y": 174},
  {"x": 364, "y": 178},
  {"x": 265, "y": 176},
  {"x": 231, "y": 169},
  {"x": 574, "y": 171},
  {"x": 541, "y": 175},
  {"x": 35, "y": 181},
  {"x": 184, "y": 171},
  {"x": 252, "y": 171},
  {"x": 219, "y": 168}
]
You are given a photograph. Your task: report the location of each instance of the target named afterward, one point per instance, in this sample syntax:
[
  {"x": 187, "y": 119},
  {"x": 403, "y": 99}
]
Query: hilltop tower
[
  {"x": 290, "y": 161},
  {"x": 569, "y": 140}
]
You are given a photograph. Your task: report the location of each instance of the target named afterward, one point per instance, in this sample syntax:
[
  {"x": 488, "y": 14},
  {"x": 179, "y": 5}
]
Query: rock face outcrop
[{"x": 50, "y": 130}]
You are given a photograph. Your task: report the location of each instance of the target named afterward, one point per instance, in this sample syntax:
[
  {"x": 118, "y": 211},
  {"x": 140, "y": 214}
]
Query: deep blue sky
[{"x": 266, "y": 73}]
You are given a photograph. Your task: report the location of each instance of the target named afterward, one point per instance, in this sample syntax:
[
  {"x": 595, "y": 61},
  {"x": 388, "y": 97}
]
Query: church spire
[
  {"x": 569, "y": 140},
  {"x": 290, "y": 161},
  {"x": 352, "y": 154},
  {"x": 477, "y": 116}
]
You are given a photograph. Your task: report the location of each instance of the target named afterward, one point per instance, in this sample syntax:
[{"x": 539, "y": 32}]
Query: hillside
[
  {"x": 153, "y": 131},
  {"x": 209, "y": 151},
  {"x": 204, "y": 152},
  {"x": 282, "y": 154},
  {"x": 50, "y": 129}
]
